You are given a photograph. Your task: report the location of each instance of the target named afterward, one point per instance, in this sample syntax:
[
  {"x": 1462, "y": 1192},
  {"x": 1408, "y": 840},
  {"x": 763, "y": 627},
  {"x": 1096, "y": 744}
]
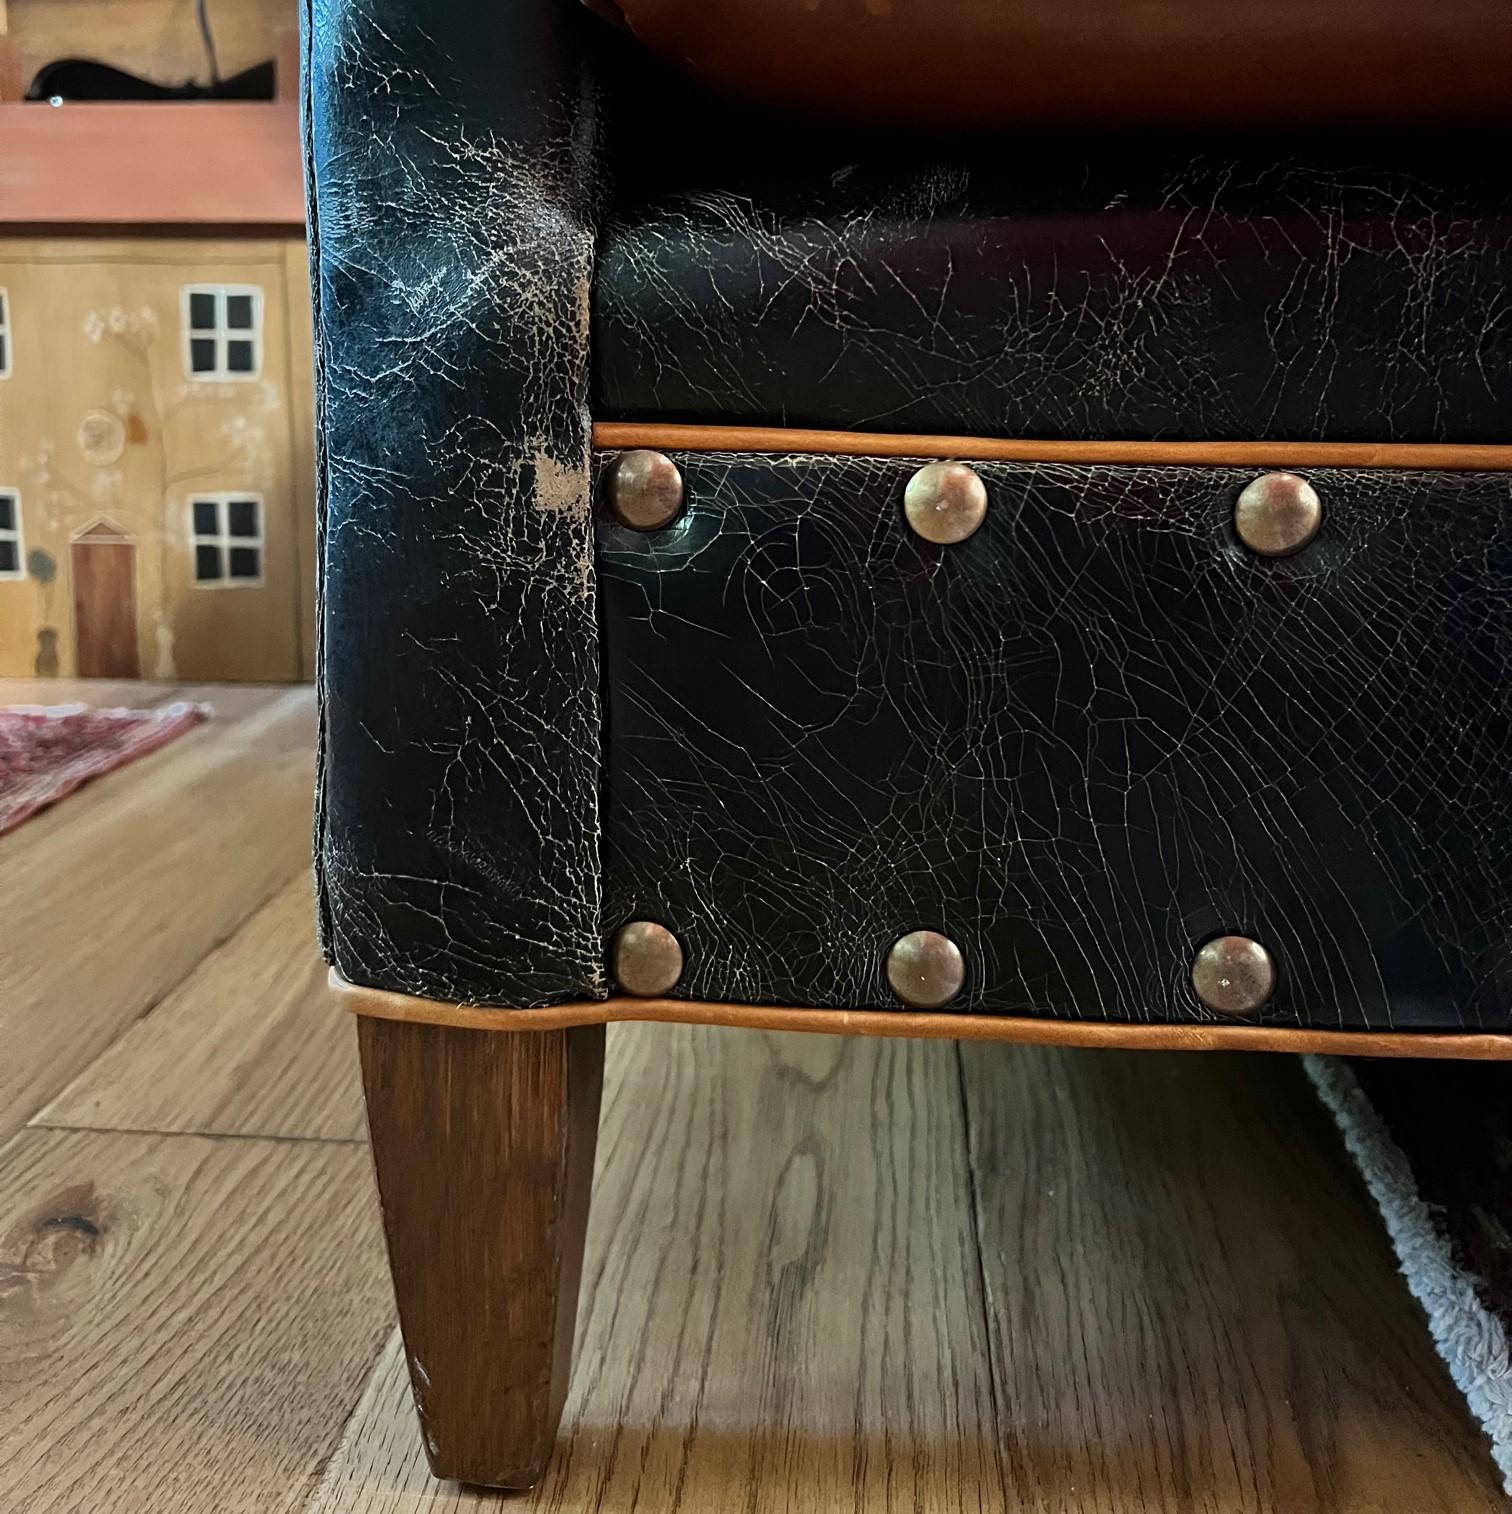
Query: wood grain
[
  {"x": 1192, "y": 1304},
  {"x": 184, "y": 1322},
  {"x": 112, "y": 897},
  {"x": 483, "y": 1146},
  {"x": 105, "y": 609},
  {"x": 380, "y": 1004},
  {"x": 612, "y": 435},
  {"x": 245, "y": 1045},
  {"x": 782, "y": 1305}
]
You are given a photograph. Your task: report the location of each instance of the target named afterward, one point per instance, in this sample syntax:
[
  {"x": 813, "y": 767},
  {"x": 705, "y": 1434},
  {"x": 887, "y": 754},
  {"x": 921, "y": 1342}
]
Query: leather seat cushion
[
  {"x": 993, "y": 63},
  {"x": 1143, "y": 293}
]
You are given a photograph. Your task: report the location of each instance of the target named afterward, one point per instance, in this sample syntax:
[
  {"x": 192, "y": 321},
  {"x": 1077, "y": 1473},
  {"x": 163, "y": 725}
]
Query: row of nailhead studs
[
  {"x": 1275, "y": 515},
  {"x": 945, "y": 502},
  {"x": 1232, "y": 975}
]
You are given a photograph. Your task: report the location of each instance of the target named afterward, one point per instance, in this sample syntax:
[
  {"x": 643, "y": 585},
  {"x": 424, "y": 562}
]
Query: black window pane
[
  {"x": 4, "y": 354},
  {"x": 7, "y": 512},
  {"x": 8, "y": 557},
  {"x": 207, "y": 564},
  {"x": 239, "y": 357},
  {"x": 204, "y": 517},
  {"x": 243, "y": 517},
  {"x": 202, "y": 355},
  {"x": 202, "y": 312},
  {"x": 244, "y": 562},
  {"x": 239, "y": 312}
]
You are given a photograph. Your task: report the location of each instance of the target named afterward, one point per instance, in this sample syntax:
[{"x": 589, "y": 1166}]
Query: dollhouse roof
[{"x": 220, "y": 168}]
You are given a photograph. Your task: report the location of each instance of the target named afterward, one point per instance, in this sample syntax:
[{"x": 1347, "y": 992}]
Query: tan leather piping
[
  {"x": 927, "y": 1026},
  {"x": 1485, "y": 458}
]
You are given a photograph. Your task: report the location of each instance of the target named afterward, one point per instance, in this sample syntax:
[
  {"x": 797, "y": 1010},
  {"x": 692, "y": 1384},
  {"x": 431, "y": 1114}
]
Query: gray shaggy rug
[{"x": 1433, "y": 1141}]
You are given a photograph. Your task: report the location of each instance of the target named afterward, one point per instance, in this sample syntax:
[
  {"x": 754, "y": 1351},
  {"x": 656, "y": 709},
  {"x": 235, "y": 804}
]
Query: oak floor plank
[
  {"x": 111, "y": 897},
  {"x": 99, "y": 692},
  {"x": 781, "y": 1298},
  {"x": 1193, "y": 1303},
  {"x": 250, "y": 1043},
  {"x": 184, "y": 1322}
]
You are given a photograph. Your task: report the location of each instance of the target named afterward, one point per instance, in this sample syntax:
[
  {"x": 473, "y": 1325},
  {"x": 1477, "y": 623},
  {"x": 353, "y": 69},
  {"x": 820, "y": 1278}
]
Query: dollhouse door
[{"x": 105, "y": 611}]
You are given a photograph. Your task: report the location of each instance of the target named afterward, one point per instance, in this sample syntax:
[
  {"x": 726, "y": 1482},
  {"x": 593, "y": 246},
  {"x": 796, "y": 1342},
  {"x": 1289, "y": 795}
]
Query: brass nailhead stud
[
  {"x": 945, "y": 502},
  {"x": 1233, "y": 975},
  {"x": 647, "y": 959},
  {"x": 645, "y": 490},
  {"x": 1278, "y": 514},
  {"x": 926, "y": 970}
]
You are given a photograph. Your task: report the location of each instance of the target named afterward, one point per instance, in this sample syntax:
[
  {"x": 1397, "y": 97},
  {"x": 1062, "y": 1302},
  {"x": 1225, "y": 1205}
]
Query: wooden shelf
[{"x": 165, "y": 168}]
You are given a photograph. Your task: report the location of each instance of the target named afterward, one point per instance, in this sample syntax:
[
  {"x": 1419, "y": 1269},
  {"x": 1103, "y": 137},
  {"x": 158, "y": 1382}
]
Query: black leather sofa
[{"x": 1025, "y": 584}]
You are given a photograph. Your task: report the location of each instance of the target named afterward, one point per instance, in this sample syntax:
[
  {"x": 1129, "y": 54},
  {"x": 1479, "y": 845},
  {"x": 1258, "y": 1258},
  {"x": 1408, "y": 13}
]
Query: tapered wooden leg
[{"x": 483, "y": 1144}]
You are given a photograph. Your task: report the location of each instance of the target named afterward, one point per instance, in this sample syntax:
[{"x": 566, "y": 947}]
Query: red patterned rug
[{"x": 47, "y": 752}]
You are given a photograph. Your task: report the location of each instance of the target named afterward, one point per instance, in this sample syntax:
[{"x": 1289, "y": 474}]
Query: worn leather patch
[{"x": 1079, "y": 743}]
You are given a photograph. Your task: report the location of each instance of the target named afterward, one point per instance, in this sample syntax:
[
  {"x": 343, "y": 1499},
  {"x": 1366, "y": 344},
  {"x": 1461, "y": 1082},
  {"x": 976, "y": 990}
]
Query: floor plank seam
[
  {"x": 974, "y": 1215},
  {"x": 202, "y": 1135},
  {"x": 351, "y": 1425},
  {"x": 232, "y": 932},
  {"x": 218, "y": 944},
  {"x": 155, "y": 1001}
]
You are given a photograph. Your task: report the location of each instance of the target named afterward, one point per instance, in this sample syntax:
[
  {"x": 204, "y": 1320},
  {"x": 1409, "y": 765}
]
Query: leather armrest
[{"x": 450, "y": 163}]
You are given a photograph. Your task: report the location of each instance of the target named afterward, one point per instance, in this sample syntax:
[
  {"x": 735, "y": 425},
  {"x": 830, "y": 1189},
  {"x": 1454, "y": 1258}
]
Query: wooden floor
[{"x": 822, "y": 1275}]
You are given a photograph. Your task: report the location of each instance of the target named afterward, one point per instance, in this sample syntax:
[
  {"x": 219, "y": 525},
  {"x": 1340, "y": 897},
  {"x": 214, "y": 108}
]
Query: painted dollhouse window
[
  {"x": 5, "y": 335},
  {"x": 12, "y": 559},
  {"x": 222, "y": 331},
  {"x": 226, "y": 531}
]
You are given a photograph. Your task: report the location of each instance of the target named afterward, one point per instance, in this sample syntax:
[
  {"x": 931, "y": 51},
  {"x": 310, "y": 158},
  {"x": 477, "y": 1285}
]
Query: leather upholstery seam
[
  {"x": 1488, "y": 457},
  {"x": 1192, "y": 1035}
]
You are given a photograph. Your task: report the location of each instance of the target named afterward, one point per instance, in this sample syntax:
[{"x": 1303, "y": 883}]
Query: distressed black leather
[
  {"x": 1022, "y": 288},
  {"x": 1080, "y": 743},
  {"x": 450, "y": 163}
]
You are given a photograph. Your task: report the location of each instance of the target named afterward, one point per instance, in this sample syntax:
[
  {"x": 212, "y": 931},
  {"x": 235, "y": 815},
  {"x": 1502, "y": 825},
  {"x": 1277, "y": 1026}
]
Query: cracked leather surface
[
  {"x": 1080, "y": 743},
  {"x": 1125, "y": 290},
  {"x": 450, "y": 159}
]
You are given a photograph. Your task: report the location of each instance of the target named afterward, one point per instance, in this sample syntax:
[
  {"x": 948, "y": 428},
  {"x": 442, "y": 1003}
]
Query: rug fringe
[{"x": 1471, "y": 1340}]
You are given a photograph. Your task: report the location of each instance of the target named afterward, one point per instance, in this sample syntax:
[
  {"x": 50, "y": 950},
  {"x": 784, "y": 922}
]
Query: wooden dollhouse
[{"x": 156, "y": 453}]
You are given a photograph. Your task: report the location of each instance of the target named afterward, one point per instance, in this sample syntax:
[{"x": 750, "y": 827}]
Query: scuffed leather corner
[{"x": 450, "y": 161}]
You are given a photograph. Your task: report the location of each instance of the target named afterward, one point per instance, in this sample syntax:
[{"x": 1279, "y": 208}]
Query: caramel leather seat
[{"x": 984, "y": 64}]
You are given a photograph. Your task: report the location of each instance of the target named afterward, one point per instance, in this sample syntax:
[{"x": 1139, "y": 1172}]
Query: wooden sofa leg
[{"x": 483, "y": 1144}]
